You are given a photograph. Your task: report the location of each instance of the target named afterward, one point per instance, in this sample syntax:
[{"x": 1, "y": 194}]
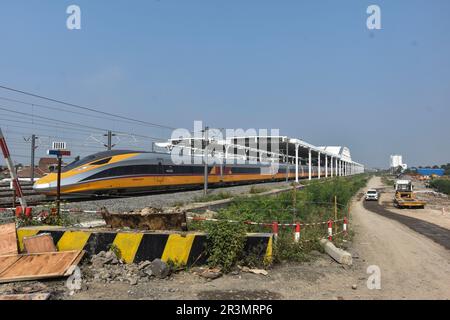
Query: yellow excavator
[{"x": 405, "y": 196}]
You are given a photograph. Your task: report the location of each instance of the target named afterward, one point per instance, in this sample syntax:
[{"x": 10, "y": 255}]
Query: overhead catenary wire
[
  {"x": 91, "y": 109},
  {"x": 2, "y": 107},
  {"x": 31, "y": 104}
]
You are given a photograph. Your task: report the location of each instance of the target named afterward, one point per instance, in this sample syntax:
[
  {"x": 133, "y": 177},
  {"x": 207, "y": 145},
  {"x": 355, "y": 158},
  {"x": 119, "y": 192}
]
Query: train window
[
  {"x": 100, "y": 162},
  {"x": 169, "y": 169}
]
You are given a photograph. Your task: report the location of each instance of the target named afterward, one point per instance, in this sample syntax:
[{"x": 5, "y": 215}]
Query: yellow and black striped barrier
[{"x": 137, "y": 246}]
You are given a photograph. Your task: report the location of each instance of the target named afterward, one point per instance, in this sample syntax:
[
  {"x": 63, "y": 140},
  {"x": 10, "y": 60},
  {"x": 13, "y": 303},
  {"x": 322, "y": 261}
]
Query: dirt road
[{"x": 412, "y": 265}]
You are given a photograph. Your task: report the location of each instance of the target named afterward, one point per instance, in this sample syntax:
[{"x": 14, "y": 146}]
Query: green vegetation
[
  {"x": 441, "y": 185},
  {"x": 315, "y": 203},
  {"x": 225, "y": 244},
  {"x": 446, "y": 167},
  {"x": 312, "y": 204},
  {"x": 47, "y": 216},
  {"x": 387, "y": 180}
]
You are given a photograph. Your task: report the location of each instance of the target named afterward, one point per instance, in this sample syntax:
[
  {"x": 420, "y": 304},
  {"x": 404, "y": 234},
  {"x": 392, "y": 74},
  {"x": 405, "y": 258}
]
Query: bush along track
[
  {"x": 441, "y": 185},
  {"x": 312, "y": 207}
]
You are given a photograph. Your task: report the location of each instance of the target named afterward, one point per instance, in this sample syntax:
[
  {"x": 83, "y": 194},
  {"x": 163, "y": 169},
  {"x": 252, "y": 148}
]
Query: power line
[
  {"x": 86, "y": 108},
  {"x": 75, "y": 124},
  {"x": 31, "y": 104}
]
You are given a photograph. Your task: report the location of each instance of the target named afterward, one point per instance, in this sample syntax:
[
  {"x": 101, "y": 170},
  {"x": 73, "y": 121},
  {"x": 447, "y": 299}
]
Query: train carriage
[{"x": 125, "y": 172}]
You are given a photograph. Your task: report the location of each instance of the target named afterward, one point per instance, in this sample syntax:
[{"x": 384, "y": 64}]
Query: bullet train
[{"x": 129, "y": 172}]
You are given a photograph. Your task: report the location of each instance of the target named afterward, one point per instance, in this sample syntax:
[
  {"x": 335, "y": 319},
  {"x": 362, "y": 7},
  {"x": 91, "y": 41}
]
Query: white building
[{"x": 397, "y": 161}]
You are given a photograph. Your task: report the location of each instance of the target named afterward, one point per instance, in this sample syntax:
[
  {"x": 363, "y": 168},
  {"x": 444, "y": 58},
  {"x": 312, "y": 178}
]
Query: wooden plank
[
  {"x": 7, "y": 261},
  {"x": 39, "y": 243},
  {"x": 75, "y": 263},
  {"x": 28, "y": 296},
  {"x": 40, "y": 266},
  {"x": 8, "y": 239}
]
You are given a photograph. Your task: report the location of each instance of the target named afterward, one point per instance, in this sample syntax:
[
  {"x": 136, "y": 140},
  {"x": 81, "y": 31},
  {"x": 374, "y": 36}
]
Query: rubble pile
[{"x": 106, "y": 267}]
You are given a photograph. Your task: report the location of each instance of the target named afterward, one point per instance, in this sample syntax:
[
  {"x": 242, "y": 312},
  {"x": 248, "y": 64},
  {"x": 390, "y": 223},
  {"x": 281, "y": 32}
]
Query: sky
[{"x": 311, "y": 69}]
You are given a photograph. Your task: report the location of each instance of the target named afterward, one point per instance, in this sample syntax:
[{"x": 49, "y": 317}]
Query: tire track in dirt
[{"x": 432, "y": 231}]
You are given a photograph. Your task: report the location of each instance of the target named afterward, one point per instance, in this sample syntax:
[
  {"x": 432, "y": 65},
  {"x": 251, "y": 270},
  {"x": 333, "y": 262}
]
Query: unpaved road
[{"x": 412, "y": 265}]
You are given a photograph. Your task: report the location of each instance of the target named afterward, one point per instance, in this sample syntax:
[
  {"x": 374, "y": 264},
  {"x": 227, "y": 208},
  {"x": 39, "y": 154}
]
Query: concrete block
[{"x": 341, "y": 256}]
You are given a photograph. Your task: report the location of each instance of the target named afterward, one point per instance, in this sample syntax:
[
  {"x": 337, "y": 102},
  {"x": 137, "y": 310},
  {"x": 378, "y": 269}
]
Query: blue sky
[{"x": 310, "y": 68}]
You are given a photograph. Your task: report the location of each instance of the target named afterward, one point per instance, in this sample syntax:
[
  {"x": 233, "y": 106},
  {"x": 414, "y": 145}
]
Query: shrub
[
  {"x": 441, "y": 185},
  {"x": 225, "y": 244}
]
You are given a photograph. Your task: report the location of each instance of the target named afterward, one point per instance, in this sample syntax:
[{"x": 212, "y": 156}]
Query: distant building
[
  {"x": 430, "y": 172},
  {"x": 45, "y": 166},
  {"x": 396, "y": 162}
]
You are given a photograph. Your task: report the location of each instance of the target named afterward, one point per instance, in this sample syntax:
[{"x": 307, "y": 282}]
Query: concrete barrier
[
  {"x": 136, "y": 246},
  {"x": 341, "y": 256}
]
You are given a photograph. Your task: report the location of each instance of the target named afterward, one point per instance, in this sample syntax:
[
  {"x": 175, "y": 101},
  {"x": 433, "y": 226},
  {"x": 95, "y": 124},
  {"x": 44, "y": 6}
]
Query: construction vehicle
[{"x": 405, "y": 196}]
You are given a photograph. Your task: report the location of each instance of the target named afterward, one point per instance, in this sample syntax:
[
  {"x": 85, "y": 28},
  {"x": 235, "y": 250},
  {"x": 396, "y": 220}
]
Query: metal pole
[
  {"x": 310, "y": 164},
  {"x": 14, "y": 198},
  {"x": 335, "y": 213},
  {"x": 205, "y": 157},
  {"x": 109, "y": 136},
  {"x": 319, "y": 170},
  {"x": 12, "y": 171},
  {"x": 58, "y": 187},
  {"x": 287, "y": 160},
  {"x": 331, "y": 166},
  {"x": 33, "y": 150},
  {"x": 109, "y": 140},
  {"x": 296, "y": 162}
]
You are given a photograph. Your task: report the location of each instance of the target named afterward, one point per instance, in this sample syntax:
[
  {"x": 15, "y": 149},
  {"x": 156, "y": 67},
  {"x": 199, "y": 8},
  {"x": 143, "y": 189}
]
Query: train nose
[
  {"x": 45, "y": 184},
  {"x": 41, "y": 186}
]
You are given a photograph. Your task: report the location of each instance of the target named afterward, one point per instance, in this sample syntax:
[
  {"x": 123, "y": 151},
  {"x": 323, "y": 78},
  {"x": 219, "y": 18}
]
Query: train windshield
[
  {"x": 102, "y": 157},
  {"x": 78, "y": 163}
]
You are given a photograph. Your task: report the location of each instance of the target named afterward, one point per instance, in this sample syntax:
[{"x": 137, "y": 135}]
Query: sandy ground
[
  {"x": 412, "y": 267},
  {"x": 436, "y": 211}
]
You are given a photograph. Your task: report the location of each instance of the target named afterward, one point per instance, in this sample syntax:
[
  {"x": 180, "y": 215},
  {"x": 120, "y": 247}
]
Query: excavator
[{"x": 405, "y": 196}]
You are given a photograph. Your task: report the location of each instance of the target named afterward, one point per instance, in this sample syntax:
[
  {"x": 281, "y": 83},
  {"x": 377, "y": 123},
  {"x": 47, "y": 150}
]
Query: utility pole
[
  {"x": 58, "y": 187},
  {"x": 33, "y": 153},
  {"x": 205, "y": 157},
  {"x": 110, "y": 145}
]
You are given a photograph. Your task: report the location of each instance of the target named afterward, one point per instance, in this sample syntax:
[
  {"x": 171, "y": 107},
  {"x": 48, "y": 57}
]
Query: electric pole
[
  {"x": 110, "y": 145},
  {"x": 33, "y": 153}
]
